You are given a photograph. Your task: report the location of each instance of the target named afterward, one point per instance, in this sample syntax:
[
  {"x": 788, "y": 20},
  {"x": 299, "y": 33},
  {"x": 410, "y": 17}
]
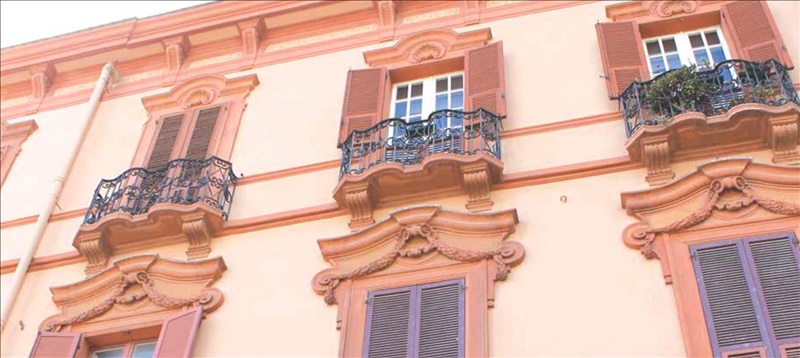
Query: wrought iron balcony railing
[
  {"x": 445, "y": 131},
  {"x": 712, "y": 92},
  {"x": 182, "y": 181}
]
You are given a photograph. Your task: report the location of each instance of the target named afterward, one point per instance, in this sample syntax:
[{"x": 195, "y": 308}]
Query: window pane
[
  {"x": 441, "y": 85},
  {"x": 653, "y": 48},
  {"x": 669, "y": 45},
  {"x": 416, "y": 90},
  {"x": 416, "y": 106},
  {"x": 717, "y": 54},
  {"x": 457, "y": 122},
  {"x": 657, "y": 64},
  {"x": 696, "y": 40},
  {"x": 457, "y": 82},
  {"x": 109, "y": 353},
  {"x": 400, "y": 110},
  {"x": 457, "y": 100},
  {"x": 402, "y": 92},
  {"x": 441, "y": 101},
  {"x": 144, "y": 350},
  {"x": 673, "y": 61},
  {"x": 712, "y": 38},
  {"x": 701, "y": 58},
  {"x": 414, "y": 119}
]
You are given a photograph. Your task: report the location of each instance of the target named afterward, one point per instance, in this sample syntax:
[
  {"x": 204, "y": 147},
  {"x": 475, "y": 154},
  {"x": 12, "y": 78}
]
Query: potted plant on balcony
[{"x": 677, "y": 91}]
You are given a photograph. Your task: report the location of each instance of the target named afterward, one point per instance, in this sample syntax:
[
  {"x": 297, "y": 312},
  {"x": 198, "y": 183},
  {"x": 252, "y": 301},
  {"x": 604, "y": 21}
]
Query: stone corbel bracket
[
  {"x": 387, "y": 18},
  {"x": 176, "y": 49},
  {"x": 415, "y": 239},
  {"x": 718, "y": 194},
  {"x": 252, "y": 32},
  {"x": 747, "y": 127},
  {"x": 135, "y": 291}
]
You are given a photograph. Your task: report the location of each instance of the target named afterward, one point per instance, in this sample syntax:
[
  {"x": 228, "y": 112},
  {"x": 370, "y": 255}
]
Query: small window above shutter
[
  {"x": 165, "y": 142},
  {"x": 363, "y": 100},
  {"x": 178, "y": 334},
  {"x": 622, "y": 55},
  {"x": 754, "y": 32},
  {"x": 55, "y": 345},
  {"x": 485, "y": 79},
  {"x": 203, "y": 132},
  {"x": 389, "y": 320}
]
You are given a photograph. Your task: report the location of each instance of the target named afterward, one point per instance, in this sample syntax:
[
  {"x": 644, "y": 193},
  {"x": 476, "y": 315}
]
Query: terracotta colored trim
[
  {"x": 290, "y": 217},
  {"x": 43, "y": 262},
  {"x": 11, "y": 138},
  {"x": 567, "y": 172},
  {"x": 278, "y": 174},
  {"x": 561, "y": 125}
]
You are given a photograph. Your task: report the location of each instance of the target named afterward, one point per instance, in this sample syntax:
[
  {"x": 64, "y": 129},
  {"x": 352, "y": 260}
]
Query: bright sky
[{"x": 26, "y": 21}]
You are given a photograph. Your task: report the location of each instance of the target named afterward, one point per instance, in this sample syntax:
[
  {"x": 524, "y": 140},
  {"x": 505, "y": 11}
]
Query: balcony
[
  {"x": 737, "y": 106},
  {"x": 449, "y": 153},
  {"x": 188, "y": 200}
]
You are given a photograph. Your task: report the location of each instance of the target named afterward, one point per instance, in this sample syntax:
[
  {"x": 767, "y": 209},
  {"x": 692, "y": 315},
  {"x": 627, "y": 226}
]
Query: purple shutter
[
  {"x": 389, "y": 323},
  {"x": 732, "y": 315},
  {"x": 441, "y": 326},
  {"x": 777, "y": 268}
]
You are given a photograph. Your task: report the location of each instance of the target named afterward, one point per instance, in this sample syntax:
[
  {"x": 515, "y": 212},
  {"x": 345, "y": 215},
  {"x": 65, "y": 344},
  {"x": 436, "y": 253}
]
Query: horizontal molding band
[
  {"x": 330, "y": 164},
  {"x": 326, "y": 211}
]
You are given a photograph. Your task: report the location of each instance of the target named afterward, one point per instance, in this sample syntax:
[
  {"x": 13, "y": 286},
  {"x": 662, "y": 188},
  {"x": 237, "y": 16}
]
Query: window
[
  {"x": 184, "y": 135},
  {"x": 416, "y": 100},
  {"x": 129, "y": 350},
  {"x": 704, "y": 48},
  {"x": 751, "y": 295},
  {"x": 416, "y": 321}
]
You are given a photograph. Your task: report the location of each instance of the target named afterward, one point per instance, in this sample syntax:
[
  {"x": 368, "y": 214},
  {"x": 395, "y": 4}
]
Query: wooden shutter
[
  {"x": 622, "y": 55},
  {"x": 203, "y": 132},
  {"x": 389, "y": 321},
  {"x": 754, "y": 33},
  {"x": 55, "y": 345},
  {"x": 165, "y": 142},
  {"x": 178, "y": 333},
  {"x": 441, "y": 327},
  {"x": 485, "y": 79},
  {"x": 778, "y": 272},
  {"x": 363, "y": 100},
  {"x": 727, "y": 300}
]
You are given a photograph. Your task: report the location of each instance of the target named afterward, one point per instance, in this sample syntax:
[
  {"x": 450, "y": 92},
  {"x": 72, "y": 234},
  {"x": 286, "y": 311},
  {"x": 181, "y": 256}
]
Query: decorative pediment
[
  {"x": 136, "y": 291},
  {"x": 11, "y": 138},
  {"x": 427, "y": 46},
  {"x": 200, "y": 91},
  {"x": 416, "y": 239},
  {"x": 717, "y": 195},
  {"x": 659, "y": 9}
]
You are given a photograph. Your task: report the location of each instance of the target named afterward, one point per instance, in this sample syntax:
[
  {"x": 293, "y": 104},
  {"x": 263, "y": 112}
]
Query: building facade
[{"x": 406, "y": 178}]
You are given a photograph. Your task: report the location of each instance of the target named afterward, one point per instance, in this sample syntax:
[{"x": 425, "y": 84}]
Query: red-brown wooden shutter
[
  {"x": 178, "y": 333},
  {"x": 441, "y": 321},
  {"x": 728, "y": 299},
  {"x": 754, "y": 33},
  {"x": 622, "y": 54},
  {"x": 363, "y": 100},
  {"x": 165, "y": 142},
  {"x": 203, "y": 132},
  {"x": 485, "y": 79},
  {"x": 389, "y": 323},
  {"x": 55, "y": 345}
]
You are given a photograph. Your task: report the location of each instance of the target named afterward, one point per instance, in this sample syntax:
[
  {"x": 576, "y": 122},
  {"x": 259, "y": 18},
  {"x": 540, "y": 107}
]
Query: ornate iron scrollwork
[{"x": 181, "y": 181}]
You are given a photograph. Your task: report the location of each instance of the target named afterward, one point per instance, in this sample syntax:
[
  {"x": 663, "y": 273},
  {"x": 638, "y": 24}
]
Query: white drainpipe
[{"x": 50, "y": 203}]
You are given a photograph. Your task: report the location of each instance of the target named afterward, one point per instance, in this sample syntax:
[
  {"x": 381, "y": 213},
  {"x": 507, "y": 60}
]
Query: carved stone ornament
[
  {"x": 719, "y": 194},
  {"x": 136, "y": 290},
  {"x": 200, "y": 91},
  {"x": 426, "y": 46},
  {"x": 416, "y": 239},
  {"x": 11, "y": 138},
  {"x": 667, "y": 8}
]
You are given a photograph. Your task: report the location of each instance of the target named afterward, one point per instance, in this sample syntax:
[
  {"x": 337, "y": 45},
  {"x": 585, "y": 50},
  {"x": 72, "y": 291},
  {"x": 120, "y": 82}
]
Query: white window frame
[
  {"x": 684, "y": 46},
  {"x": 428, "y": 93}
]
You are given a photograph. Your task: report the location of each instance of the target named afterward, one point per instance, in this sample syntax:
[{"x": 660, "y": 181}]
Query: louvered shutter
[
  {"x": 203, "y": 133},
  {"x": 389, "y": 323},
  {"x": 731, "y": 313},
  {"x": 55, "y": 345},
  {"x": 363, "y": 100},
  {"x": 485, "y": 79},
  {"x": 178, "y": 334},
  {"x": 165, "y": 142},
  {"x": 441, "y": 327},
  {"x": 778, "y": 272},
  {"x": 622, "y": 55},
  {"x": 754, "y": 33}
]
